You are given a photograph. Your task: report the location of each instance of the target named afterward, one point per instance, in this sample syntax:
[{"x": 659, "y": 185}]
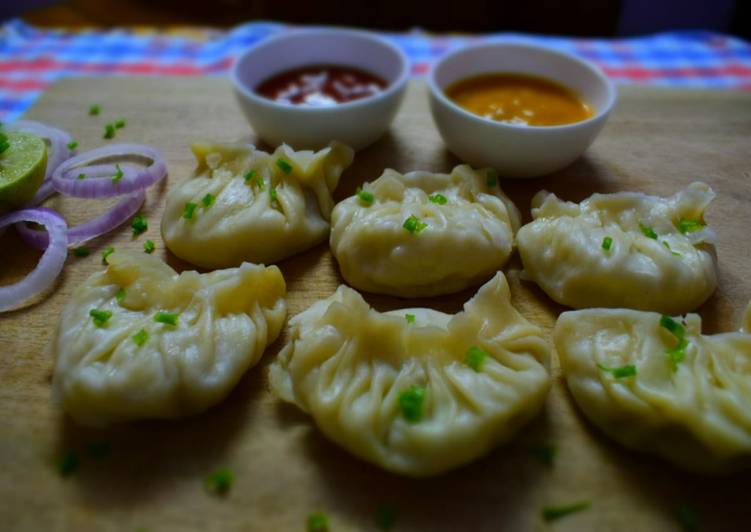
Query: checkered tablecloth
[{"x": 31, "y": 59}]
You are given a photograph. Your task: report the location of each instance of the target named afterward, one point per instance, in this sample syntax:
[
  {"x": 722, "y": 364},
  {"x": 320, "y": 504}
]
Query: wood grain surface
[{"x": 657, "y": 141}]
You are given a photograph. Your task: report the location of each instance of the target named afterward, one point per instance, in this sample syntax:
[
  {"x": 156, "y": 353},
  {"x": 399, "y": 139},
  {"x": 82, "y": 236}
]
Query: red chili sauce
[{"x": 321, "y": 85}]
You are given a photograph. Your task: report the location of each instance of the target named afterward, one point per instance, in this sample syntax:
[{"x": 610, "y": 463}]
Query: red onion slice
[
  {"x": 56, "y": 139},
  {"x": 104, "y": 223},
  {"x": 46, "y": 271},
  {"x": 65, "y": 177}
]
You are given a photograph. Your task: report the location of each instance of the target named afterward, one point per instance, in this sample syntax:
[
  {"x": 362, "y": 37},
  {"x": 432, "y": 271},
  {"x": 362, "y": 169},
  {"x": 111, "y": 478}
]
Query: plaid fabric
[{"x": 32, "y": 59}]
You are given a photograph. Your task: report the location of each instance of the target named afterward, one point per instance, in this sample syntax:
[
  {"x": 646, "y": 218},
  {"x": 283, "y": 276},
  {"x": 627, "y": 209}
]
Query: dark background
[{"x": 558, "y": 17}]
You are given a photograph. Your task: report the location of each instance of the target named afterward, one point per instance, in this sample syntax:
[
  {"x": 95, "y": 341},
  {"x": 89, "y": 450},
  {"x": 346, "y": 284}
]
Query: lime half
[{"x": 22, "y": 167}]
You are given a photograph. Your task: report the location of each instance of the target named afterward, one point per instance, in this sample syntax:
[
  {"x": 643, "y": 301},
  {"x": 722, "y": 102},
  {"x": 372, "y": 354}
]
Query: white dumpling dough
[
  {"x": 265, "y": 218},
  {"x": 695, "y": 413},
  {"x": 347, "y": 365},
  {"x": 562, "y": 250},
  {"x": 226, "y": 320},
  {"x": 466, "y": 240}
]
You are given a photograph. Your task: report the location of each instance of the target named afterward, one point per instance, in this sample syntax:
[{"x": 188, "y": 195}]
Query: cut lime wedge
[{"x": 22, "y": 167}]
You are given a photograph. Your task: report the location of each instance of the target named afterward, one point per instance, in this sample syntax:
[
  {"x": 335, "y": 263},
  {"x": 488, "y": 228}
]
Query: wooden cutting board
[{"x": 656, "y": 141}]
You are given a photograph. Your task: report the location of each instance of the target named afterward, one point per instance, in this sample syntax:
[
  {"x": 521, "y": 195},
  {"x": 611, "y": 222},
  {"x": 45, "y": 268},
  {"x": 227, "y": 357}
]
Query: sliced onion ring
[
  {"x": 65, "y": 177},
  {"x": 104, "y": 223},
  {"x": 46, "y": 271}
]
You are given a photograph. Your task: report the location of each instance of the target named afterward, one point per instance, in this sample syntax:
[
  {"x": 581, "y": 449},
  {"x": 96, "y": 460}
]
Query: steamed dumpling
[
  {"x": 424, "y": 234},
  {"x": 686, "y": 400},
  {"x": 622, "y": 250},
  {"x": 244, "y": 204},
  {"x": 116, "y": 362},
  {"x": 415, "y": 391}
]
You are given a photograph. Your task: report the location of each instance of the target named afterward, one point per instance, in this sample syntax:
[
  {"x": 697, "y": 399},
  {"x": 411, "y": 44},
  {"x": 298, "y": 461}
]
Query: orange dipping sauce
[{"x": 519, "y": 99}]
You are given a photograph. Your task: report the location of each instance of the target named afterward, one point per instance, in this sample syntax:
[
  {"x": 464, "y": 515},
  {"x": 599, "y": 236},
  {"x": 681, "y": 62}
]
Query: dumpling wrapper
[
  {"x": 226, "y": 320},
  {"x": 562, "y": 250},
  {"x": 265, "y": 218},
  {"x": 347, "y": 366},
  {"x": 697, "y": 416},
  {"x": 466, "y": 240}
]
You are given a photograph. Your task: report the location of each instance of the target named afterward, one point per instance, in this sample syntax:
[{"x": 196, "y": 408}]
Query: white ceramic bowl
[
  {"x": 357, "y": 123},
  {"x": 518, "y": 150}
]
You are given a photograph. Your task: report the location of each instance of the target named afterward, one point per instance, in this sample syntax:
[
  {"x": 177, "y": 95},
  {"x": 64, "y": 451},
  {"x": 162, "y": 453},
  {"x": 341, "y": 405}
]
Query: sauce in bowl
[
  {"x": 519, "y": 99},
  {"x": 321, "y": 85}
]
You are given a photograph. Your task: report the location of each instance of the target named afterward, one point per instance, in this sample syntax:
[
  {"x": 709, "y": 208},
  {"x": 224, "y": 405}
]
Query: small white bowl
[
  {"x": 518, "y": 150},
  {"x": 357, "y": 123}
]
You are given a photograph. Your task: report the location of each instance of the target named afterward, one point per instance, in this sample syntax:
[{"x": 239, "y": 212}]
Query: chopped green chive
[
  {"x": 148, "y": 246},
  {"x": 219, "y": 482},
  {"x": 188, "y": 210},
  {"x": 98, "y": 450},
  {"x": 675, "y": 328},
  {"x": 82, "y": 176},
  {"x": 439, "y": 199},
  {"x": 648, "y": 231},
  {"x": 475, "y": 357},
  {"x": 249, "y": 175},
  {"x": 109, "y": 131},
  {"x": 273, "y": 194},
  {"x": 410, "y": 402},
  {"x": 410, "y": 318},
  {"x": 687, "y": 518},
  {"x": 491, "y": 178},
  {"x": 72, "y": 145},
  {"x": 414, "y": 225},
  {"x": 284, "y": 166},
  {"x": 318, "y": 522},
  {"x": 100, "y": 317},
  {"x": 119, "y": 123},
  {"x": 4, "y": 143},
  {"x": 208, "y": 200},
  {"x": 81, "y": 251},
  {"x": 677, "y": 354},
  {"x": 544, "y": 453},
  {"x": 109, "y": 250},
  {"x": 120, "y": 295},
  {"x": 551, "y": 513},
  {"x": 118, "y": 174},
  {"x": 628, "y": 370},
  {"x": 667, "y": 246},
  {"x": 690, "y": 226},
  {"x": 94, "y": 110},
  {"x": 385, "y": 517},
  {"x": 168, "y": 318},
  {"x": 366, "y": 197},
  {"x": 139, "y": 224},
  {"x": 607, "y": 243},
  {"x": 141, "y": 337},
  {"x": 68, "y": 463}
]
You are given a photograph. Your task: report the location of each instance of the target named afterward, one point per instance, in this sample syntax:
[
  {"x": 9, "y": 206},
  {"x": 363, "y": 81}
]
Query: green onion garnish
[
  {"x": 385, "y": 516},
  {"x": 100, "y": 317},
  {"x": 98, "y": 450},
  {"x": 188, "y": 210},
  {"x": 118, "y": 174},
  {"x": 81, "y": 176},
  {"x": 284, "y": 166},
  {"x": 410, "y": 318},
  {"x": 648, "y": 231},
  {"x": 678, "y": 353},
  {"x": 208, "y": 200},
  {"x": 139, "y": 224},
  {"x": 109, "y": 250},
  {"x": 628, "y": 370},
  {"x": 551, "y": 513},
  {"x": 72, "y": 145},
  {"x": 366, "y": 197},
  {"x": 607, "y": 243},
  {"x": 414, "y": 225},
  {"x": 249, "y": 175},
  {"x": 141, "y": 337},
  {"x": 544, "y": 453},
  {"x": 119, "y": 123},
  {"x": 120, "y": 295},
  {"x": 81, "y": 251},
  {"x": 439, "y": 199},
  {"x": 491, "y": 178},
  {"x": 94, "y": 110},
  {"x": 687, "y": 518},
  {"x": 475, "y": 357},
  {"x": 273, "y": 194},
  {"x": 109, "y": 131},
  {"x": 68, "y": 463},
  {"x": 410, "y": 402},
  {"x": 690, "y": 226},
  {"x": 168, "y": 318},
  {"x": 667, "y": 246},
  {"x": 219, "y": 482},
  {"x": 148, "y": 246},
  {"x": 675, "y": 328},
  {"x": 318, "y": 522}
]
